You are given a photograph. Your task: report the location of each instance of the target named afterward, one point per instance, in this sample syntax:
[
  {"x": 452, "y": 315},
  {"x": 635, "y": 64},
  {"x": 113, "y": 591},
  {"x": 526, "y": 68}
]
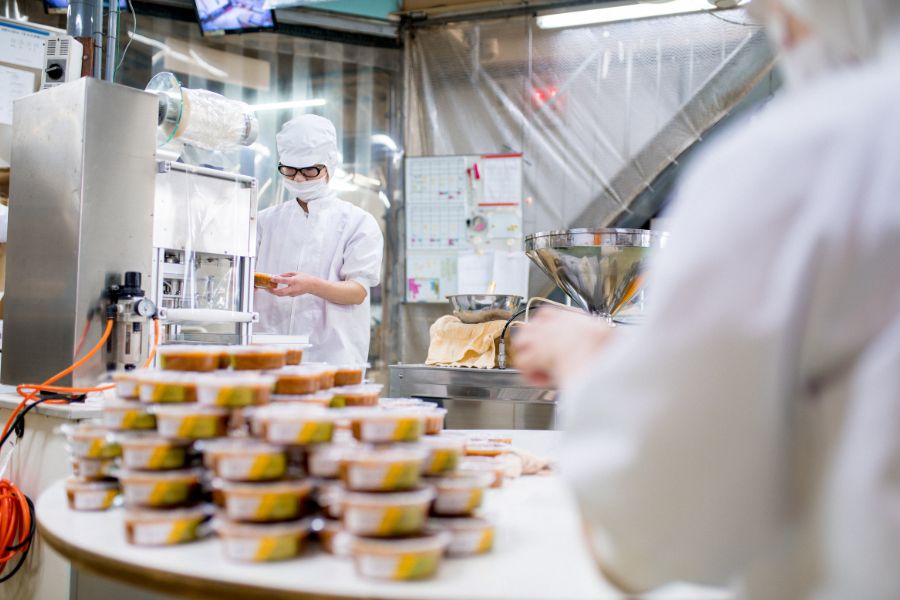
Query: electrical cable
[
  {"x": 721, "y": 18},
  {"x": 130, "y": 39}
]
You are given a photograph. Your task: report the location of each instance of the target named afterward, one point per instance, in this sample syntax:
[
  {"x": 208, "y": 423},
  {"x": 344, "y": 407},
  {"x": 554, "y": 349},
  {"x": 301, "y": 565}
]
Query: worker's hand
[
  {"x": 556, "y": 344},
  {"x": 295, "y": 284}
]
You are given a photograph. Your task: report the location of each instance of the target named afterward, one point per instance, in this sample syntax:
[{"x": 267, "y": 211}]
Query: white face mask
[{"x": 308, "y": 191}]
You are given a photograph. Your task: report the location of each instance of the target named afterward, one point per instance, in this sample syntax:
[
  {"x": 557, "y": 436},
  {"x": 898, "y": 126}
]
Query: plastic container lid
[
  {"x": 406, "y": 402},
  {"x": 422, "y": 495},
  {"x": 186, "y": 410},
  {"x": 298, "y": 486},
  {"x": 429, "y": 542},
  {"x": 464, "y": 481},
  {"x": 255, "y": 349},
  {"x": 227, "y": 528},
  {"x": 362, "y": 388},
  {"x": 385, "y": 454},
  {"x": 137, "y": 440},
  {"x": 146, "y": 515},
  {"x": 253, "y": 379},
  {"x": 181, "y": 474}
]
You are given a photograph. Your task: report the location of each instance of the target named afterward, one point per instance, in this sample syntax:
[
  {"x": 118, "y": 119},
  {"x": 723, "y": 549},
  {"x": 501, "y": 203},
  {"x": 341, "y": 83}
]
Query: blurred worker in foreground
[
  {"x": 749, "y": 430},
  {"x": 327, "y": 252}
]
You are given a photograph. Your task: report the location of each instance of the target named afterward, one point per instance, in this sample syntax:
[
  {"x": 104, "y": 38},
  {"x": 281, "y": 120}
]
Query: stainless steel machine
[
  {"x": 602, "y": 270},
  {"x": 95, "y": 214}
]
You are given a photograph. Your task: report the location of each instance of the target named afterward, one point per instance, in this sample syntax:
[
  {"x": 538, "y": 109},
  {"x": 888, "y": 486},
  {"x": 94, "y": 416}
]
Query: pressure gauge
[{"x": 145, "y": 307}]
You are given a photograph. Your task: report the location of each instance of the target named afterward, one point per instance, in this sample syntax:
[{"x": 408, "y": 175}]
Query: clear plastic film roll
[{"x": 201, "y": 118}]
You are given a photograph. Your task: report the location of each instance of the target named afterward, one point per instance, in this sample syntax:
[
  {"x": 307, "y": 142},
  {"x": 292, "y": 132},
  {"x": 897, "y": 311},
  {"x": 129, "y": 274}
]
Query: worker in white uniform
[
  {"x": 325, "y": 252},
  {"x": 749, "y": 431}
]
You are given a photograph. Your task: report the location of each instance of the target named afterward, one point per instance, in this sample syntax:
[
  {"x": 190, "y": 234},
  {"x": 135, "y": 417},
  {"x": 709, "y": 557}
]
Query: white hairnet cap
[
  {"x": 849, "y": 30},
  {"x": 308, "y": 140}
]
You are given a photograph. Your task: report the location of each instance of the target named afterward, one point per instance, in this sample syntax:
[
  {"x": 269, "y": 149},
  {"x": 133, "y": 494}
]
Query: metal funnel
[{"x": 600, "y": 269}]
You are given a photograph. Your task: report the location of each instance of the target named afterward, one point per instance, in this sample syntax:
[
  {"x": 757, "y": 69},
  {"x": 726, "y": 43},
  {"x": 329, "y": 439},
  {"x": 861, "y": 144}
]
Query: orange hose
[
  {"x": 155, "y": 343},
  {"x": 15, "y": 522}
]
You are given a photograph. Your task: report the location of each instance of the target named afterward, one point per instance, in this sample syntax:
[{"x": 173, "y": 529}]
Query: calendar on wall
[{"x": 464, "y": 226}]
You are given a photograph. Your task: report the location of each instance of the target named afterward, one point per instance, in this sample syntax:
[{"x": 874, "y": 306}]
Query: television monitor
[
  {"x": 59, "y": 7},
  {"x": 218, "y": 17}
]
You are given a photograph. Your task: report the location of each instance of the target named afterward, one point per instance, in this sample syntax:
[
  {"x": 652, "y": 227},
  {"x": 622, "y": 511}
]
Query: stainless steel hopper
[{"x": 600, "y": 269}]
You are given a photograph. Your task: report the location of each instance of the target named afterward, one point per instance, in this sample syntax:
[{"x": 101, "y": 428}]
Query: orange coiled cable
[{"x": 16, "y": 527}]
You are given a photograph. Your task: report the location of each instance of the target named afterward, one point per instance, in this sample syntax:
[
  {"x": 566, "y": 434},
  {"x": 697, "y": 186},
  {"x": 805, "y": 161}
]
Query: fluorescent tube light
[
  {"x": 626, "y": 11},
  {"x": 289, "y": 104}
]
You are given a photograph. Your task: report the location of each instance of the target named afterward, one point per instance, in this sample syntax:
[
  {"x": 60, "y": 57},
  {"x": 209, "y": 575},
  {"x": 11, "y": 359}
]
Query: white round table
[{"x": 539, "y": 554}]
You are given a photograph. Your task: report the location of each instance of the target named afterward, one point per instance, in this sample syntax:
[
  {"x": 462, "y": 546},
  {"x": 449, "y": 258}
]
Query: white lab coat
[
  {"x": 336, "y": 241},
  {"x": 749, "y": 431}
]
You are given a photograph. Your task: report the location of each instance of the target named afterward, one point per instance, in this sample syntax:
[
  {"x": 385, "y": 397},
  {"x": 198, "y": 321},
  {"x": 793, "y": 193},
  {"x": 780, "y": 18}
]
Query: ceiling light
[
  {"x": 289, "y": 104},
  {"x": 624, "y": 11}
]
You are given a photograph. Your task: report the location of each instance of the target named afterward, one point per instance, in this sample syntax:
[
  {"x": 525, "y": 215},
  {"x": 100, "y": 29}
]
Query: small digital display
[{"x": 234, "y": 16}]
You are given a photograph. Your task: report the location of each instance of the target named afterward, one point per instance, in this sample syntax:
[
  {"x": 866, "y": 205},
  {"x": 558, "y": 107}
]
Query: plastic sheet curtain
[{"x": 583, "y": 104}]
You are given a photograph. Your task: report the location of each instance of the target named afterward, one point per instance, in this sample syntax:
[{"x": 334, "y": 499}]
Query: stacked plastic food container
[{"x": 266, "y": 451}]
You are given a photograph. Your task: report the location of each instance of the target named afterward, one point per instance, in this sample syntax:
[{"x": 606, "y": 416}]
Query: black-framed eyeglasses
[{"x": 308, "y": 172}]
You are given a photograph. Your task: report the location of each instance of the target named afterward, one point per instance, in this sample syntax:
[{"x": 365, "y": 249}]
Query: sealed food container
[
  {"x": 434, "y": 420},
  {"x": 88, "y": 440},
  {"x": 382, "y": 469},
  {"x": 327, "y": 374},
  {"x": 234, "y": 390},
  {"x": 468, "y": 536},
  {"x": 264, "y": 280},
  {"x": 188, "y": 357},
  {"x": 244, "y": 459},
  {"x": 358, "y": 395},
  {"x": 161, "y": 387},
  {"x": 297, "y": 381},
  {"x": 293, "y": 424},
  {"x": 400, "y": 560},
  {"x": 85, "y": 494},
  {"x": 160, "y": 489},
  {"x": 485, "y": 448},
  {"x": 378, "y": 426},
  {"x": 406, "y": 403},
  {"x": 483, "y": 464},
  {"x": 386, "y": 515},
  {"x": 122, "y": 416},
  {"x": 257, "y": 358},
  {"x": 191, "y": 422},
  {"x": 444, "y": 453},
  {"x": 345, "y": 375},
  {"x": 92, "y": 468},
  {"x": 332, "y": 536},
  {"x": 262, "y": 542},
  {"x": 459, "y": 495},
  {"x": 264, "y": 502},
  {"x": 153, "y": 453},
  {"x": 126, "y": 383},
  {"x": 164, "y": 527}
]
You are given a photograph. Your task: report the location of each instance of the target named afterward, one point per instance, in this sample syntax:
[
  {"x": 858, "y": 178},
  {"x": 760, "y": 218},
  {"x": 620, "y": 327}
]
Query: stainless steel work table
[{"x": 478, "y": 398}]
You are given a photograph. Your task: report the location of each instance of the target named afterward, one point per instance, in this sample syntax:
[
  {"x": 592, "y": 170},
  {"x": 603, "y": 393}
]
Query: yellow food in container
[
  {"x": 444, "y": 453},
  {"x": 459, "y": 495},
  {"x": 358, "y": 395},
  {"x": 153, "y": 453},
  {"x": 160, "y": 387},
  {"x": 262, "y": 542},
  {"x": 126, "y": 383},
  {"x": 123, "y": 416},
  {"x": 234, "y": 390},
  {"x": 468, "y": 537},
  {"x": 92, "y": 468},
  {"x": 188, "y": 358},
  {"x": 257, "y": 358},
  {"x": 345, "y": 375},
  {"x": 295, "y": 425},
  {"x": 386, "y": 515},
  {"x": 293, "y": 355},
  {"x": 164, "y": 527},
  {"x": 297, "y": 381},
  {"x": 160, "y": 489},
  {"x": 382, "y": 469},
  {"x": 244, "y": 460},
  {"x": 378, "y": 426},
  {"x": 192, "y": 421},
  {"x": 264, "y": 502},
  {"x": 84, "y": 494},
  {"x": 399, "y": 560},
  {"x": 88, "y": 440}
]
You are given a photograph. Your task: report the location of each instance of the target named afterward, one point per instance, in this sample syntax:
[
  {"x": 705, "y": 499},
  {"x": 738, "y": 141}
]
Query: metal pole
[
  {"x": 98, "y": 39},
  {"x": 112, "y": 40},
  {"x": 80, "y": 25}
]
